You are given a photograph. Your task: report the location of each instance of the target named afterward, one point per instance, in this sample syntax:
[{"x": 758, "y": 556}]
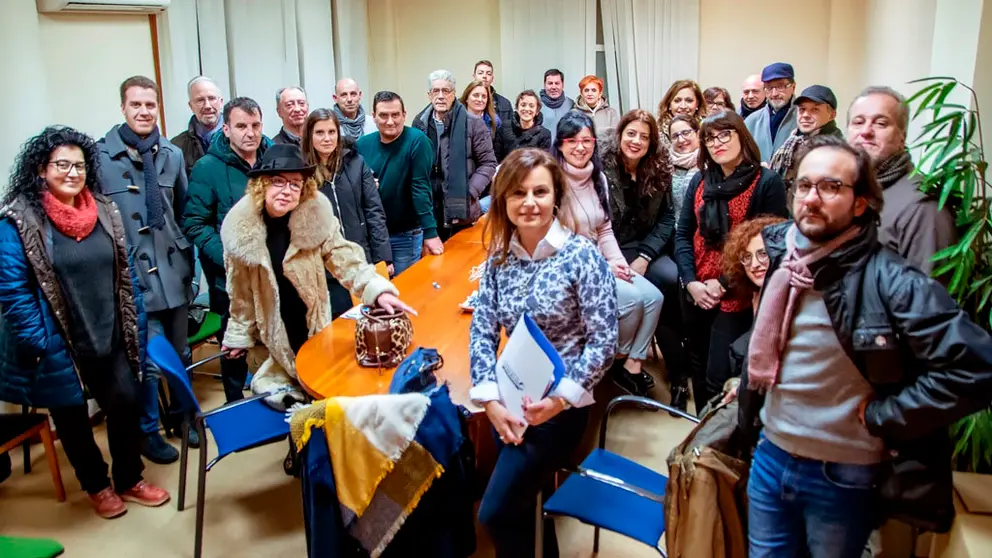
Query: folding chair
[
  {"x": 211, "y": 324},
  {"x": 609, "y": 491},
  {"x": 236, "y": 427},
  {"x": 18, "y": 429}
]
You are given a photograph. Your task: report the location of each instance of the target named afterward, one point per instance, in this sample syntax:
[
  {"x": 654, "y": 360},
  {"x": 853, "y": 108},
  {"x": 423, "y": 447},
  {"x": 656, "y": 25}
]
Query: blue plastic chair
[
  {"x": 609, "y": 491},
  {"x": 236, "y": 427}
]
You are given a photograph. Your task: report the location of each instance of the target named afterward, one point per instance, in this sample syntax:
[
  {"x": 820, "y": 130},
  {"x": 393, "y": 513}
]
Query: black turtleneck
[
  {"x": 292, "y": 309},
  {"x": 746, "y": 110}
]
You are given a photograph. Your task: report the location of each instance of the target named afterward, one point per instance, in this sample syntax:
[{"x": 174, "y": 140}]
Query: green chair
[{"x": 19, "y": 547}]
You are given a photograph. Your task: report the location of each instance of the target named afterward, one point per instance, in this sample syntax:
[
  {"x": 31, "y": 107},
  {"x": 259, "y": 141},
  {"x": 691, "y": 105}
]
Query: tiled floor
[{"x": 253, "y": 508}]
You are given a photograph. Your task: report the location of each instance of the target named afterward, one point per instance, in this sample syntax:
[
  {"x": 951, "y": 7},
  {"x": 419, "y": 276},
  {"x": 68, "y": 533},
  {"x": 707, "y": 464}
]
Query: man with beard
[
  {"x": 913, "y": 224},
  {"x": 292, "y": 107},
  {"x": 554, "y": 103},
  {"x": 772, "y": 125},
  {"x": 464, "y": 159},
  {"x": 206, "y": 101},
  {"x": 348, "y": 108},
  {"x": 752, "y": 95},
  {"x": 854, "y": 385},
  {"x": 817, "y": 109}
]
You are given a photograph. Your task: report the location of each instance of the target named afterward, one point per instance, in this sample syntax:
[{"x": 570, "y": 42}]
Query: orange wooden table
[{"x": 326, "y": 365}]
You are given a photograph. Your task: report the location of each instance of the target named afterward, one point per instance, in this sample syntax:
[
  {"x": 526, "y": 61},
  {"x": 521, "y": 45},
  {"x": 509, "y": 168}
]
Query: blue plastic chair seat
[
  {"x": 245, "y": 426},
  {"x": 609, "y": 507}
]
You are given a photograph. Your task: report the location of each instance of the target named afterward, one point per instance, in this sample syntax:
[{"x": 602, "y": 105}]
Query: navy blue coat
[{"x": 36, "y": 364}]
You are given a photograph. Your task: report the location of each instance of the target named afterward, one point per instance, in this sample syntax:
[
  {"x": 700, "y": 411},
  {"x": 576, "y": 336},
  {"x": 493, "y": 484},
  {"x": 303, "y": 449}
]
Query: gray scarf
[
  {"x": 352, "y": 127},
  {"x": 892, "y": 169}
]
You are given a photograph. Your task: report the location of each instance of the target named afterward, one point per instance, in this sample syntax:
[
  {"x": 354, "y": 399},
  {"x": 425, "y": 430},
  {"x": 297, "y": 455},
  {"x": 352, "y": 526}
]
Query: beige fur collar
[{"x": 243, "y": 231}]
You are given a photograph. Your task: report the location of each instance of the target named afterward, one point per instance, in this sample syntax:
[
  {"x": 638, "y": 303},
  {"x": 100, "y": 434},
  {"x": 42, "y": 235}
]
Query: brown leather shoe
[
  {"x": 108, "y": 504},
  {"x": 146, "y": 494}
]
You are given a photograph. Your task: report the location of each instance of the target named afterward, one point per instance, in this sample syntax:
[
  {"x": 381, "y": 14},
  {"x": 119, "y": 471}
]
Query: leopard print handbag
[{"x": 382, "y": 338}]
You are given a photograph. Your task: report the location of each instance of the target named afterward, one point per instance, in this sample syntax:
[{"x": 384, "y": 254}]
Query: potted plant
[{"x": 953, "y": 169}]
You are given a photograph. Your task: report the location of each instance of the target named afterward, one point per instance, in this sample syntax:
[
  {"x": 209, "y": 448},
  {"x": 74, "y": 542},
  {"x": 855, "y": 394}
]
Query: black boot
[
  {"x": 680, "y": 398},
  {"x": 157, "y": 450}
]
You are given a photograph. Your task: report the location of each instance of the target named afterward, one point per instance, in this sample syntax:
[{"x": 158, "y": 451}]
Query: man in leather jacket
[{"x": 877, "y": 362}]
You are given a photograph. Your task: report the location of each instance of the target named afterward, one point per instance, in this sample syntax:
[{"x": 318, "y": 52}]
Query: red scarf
[{"x": 77, "y": 222}]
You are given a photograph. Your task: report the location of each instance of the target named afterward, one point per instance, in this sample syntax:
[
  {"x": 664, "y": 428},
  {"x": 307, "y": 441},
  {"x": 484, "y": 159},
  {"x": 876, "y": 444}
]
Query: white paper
[
  {"x": 353, "y": 314},
  {"x": 523, "y": 369}
]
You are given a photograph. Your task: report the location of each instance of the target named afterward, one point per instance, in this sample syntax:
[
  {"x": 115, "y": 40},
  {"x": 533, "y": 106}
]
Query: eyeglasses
[
  {"x": 720, "y": 137},
  {"x": 761, "y": 256},
  {"x": 441, "y": 91},
  {"x": 827, "y": 188},
  {"x": 684, "y": 134},
  {"x": 203, "y": 101},
  {"x": 778, "y": 86},
  {"x": 280, "y": 184},
  {"x": 64, "y": 166},
  {"x": 572, "y": 143},
  {"x": 720, "y": 104}
]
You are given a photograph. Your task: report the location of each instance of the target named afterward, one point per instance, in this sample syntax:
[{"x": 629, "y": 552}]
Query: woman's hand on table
[
  {"x": 542, "y": 411},
  {"x": 392, "y": 304},
  {"x": 504, "y": 424}
]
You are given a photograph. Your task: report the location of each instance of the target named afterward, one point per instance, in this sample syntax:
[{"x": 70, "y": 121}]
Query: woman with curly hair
[
  {"x": 683, "y": 98},
  {"x": 639, "y": 173},
  {"x": 744, "y": 258},
  {"x": 69, "y": 317},
  {"x": 278, "y": 240}
]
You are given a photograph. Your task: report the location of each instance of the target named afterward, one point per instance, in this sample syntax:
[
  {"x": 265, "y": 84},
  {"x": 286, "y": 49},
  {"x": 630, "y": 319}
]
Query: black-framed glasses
[
  {"x": 827, "y": 188},
  {"x": 721, "y": 137},
  {"x": 684, "y": 134},
  {"x": 761, "y": 256},
  {"x": 64, "y": 166}
]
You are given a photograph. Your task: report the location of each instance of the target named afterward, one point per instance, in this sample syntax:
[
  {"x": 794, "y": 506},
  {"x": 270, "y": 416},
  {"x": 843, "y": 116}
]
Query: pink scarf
[
  {"x": 76, "y": 221},
  {"x": 778, "y": 306}
]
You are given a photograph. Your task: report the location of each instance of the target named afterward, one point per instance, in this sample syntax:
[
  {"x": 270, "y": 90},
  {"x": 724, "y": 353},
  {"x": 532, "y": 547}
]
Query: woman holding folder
[{"x": 537, "y": 266}]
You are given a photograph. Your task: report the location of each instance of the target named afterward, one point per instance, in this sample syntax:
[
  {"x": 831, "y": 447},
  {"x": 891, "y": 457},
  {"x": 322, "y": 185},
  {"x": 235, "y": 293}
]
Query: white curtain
[
  {"x": 649, "y": 44},
  {"x": 536, "y": 35}
]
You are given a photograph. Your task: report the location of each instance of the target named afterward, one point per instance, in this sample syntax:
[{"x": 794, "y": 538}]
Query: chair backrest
[{"x": 161, "y": 353}]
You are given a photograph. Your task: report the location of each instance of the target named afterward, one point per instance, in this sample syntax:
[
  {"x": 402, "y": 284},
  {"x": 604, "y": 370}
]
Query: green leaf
[
  {"x": 931, "y": 92},
  {"x": 948, "y": 252},
  {"x": 934, "y": 78},
  {"x": 922, "y": 91},
  {"x": 944, "y": 92},
  {"x": 947, "y": 189}
]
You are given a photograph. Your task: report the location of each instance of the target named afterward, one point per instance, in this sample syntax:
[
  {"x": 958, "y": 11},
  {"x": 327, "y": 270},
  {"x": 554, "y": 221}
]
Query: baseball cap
[
  {"x": 818, "y": 94},
  {"x": 778, "y": 70}
]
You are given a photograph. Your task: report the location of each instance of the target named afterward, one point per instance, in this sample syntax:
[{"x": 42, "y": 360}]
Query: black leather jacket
[{"x": 929, "y": 364}]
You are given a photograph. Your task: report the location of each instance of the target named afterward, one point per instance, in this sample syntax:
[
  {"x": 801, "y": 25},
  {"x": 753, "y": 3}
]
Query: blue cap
[{"x": 778, "y": 70}]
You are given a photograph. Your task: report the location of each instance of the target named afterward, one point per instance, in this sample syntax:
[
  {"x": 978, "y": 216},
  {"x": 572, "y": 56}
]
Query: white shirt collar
[{"x": 553, "y": 241}]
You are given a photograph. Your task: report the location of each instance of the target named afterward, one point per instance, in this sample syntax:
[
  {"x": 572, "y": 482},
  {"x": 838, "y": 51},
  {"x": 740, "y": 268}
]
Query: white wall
[{"x": 65, "y": 69}]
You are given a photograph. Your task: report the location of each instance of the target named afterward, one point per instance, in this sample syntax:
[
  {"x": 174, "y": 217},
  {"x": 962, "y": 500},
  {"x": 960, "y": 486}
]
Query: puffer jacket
[
  {"x": 511, "y": 136},
  {"x": 217, "y": 183},
  {"x": 36, "y": 363},
  {"x": 355, "y": 198},
  {"x": 647, "y": 225},
  {"x": 928, "y": 363},
  {"x": 604, "y": 117}
]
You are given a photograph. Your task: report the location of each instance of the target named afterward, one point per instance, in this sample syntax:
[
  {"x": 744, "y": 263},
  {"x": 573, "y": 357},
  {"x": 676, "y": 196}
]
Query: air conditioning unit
[{"x": 103, "y": 6}]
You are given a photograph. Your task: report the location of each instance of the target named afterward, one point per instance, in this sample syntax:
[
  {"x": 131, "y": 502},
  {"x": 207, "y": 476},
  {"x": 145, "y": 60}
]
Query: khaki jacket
[
  {"x": 705, "y": 498},
  {"x": 316, "y": 243}
]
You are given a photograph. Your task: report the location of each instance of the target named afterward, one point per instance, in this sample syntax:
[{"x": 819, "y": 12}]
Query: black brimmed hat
[{"x": 281, "y": 158}]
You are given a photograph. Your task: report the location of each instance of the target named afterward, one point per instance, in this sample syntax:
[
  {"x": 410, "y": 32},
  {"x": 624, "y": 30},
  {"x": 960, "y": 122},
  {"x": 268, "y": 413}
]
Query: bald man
[
  {"x": 752, "y": 96},
  {"x": 348, "y": 107},
  {"x": 206, "y": 102}
]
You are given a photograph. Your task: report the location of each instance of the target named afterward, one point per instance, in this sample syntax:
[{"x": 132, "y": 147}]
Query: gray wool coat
[{"x": 163, "y": 258}]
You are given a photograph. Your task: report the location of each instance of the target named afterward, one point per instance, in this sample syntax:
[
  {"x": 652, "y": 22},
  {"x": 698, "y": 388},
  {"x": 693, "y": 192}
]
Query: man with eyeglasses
[
  {"x": 206, "y": 102},
  {"x": 464, "y": 160},
  {"x": 293, "y": 108},
  {"x": 817, "y": 110},
  {"x": 913, "y": 224},
  {"x": 752, "y": 96},
  {"x": 772, "y": 125},
  {"x": 217, "y": 183},
  {"x": 145, "y": 175},
  {"x": 857, "y": 365}
]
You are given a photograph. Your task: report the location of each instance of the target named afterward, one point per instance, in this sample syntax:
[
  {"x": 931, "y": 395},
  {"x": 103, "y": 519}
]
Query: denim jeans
[
  {"x": 797, "y": 503},
  {"x": 173, "y": 324},
  {"x": 509, "y": 506},
  {"x": 407, "y": 248}
]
